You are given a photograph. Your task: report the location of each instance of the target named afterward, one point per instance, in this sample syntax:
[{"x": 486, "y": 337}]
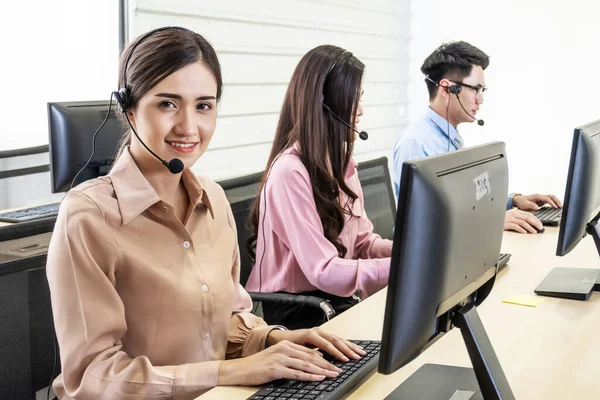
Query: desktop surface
[{"x": 548, "y": 352}]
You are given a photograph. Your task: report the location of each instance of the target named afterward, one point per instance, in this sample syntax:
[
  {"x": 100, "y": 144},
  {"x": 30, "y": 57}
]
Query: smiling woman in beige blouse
[{"x": 144, "y": 264}]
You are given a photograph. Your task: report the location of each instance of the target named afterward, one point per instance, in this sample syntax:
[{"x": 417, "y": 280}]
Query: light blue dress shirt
[{"x": 427, "y": 136}]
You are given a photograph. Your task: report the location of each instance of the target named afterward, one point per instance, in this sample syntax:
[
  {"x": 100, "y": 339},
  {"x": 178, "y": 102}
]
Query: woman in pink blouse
[
  {"x": 311, "y": 234},
  {"x": 144, "y": 266}
]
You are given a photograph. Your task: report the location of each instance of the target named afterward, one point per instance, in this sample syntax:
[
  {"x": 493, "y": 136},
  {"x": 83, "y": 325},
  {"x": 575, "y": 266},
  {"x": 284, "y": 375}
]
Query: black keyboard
[
  {"x": 28, "y": 214},
  {"x": 549, "y": 216},
  {"x": 354, "y": 372},
  {"x": 502, "y": 261}
]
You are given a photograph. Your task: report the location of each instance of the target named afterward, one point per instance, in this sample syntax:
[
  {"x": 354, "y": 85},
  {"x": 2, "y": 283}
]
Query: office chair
[
  {"x": 27, "y": 344},
  {"x": 380, "y": 203},
  {"x": 241, "y": 193}
]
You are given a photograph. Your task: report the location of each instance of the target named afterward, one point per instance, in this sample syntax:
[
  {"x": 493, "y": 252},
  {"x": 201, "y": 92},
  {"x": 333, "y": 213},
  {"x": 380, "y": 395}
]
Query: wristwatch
[{"x": 276, "y": 327}]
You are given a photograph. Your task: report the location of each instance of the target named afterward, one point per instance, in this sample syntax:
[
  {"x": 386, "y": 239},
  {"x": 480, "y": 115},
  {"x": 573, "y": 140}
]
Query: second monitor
[
  {"x": 581, "y": 216},
  {"x": 448, "y": 235},
  {"x": 71, "y": 127}
]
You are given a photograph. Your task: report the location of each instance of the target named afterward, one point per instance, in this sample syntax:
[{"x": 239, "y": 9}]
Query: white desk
[{"x": 548, "y": 352}]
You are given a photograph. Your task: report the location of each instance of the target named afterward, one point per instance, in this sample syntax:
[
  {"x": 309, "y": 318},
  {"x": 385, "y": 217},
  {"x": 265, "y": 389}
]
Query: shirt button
[
  {"x": 186, "y": 244},
  {"x": 204, "y": 288},
  {"x": 207, "y": 336}
]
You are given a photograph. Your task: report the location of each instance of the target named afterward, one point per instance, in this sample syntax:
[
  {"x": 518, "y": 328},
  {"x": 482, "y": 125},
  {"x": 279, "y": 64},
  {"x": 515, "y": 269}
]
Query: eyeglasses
[{"x": 479, "y": 90}]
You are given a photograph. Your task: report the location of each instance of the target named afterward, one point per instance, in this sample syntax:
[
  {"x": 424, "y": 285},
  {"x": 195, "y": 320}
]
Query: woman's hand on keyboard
[
  {"x": 284, "y": 360},
  {"x": 340, "y": 348}
]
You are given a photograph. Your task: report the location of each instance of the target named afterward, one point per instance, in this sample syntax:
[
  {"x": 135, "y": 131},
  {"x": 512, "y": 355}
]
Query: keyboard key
[{"x": 329, "y": 388}]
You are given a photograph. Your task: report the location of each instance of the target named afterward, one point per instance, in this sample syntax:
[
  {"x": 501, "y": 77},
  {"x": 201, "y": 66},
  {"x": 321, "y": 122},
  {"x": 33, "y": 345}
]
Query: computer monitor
[
  {"x": 71, "y": 126},
  {"x": 447, "y": 240},
  {"x": 582, "y": 193},
  {"x": 579, "y": 217}
]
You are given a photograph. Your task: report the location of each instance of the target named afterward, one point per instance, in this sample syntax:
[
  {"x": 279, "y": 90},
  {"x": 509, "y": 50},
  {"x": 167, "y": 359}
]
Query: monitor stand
[
  {"x": 573, "y": 283},
  {"x": 594, "y": 230},
  {"x": 440, "y": 382}
]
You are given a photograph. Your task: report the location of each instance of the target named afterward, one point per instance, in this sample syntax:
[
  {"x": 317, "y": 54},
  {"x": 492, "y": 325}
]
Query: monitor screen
[
  {"x": 447, "y": 239},
  {"x": 582, "y": 192},
  {"x": 71, "y": 126}
]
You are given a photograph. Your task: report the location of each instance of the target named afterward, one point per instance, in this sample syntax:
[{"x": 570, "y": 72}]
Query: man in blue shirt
[{"x": 456, "y": 84}]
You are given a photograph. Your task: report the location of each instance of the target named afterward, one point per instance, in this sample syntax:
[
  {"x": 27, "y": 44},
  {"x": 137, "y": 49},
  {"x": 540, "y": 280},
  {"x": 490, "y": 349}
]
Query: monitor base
[
  {"x": 570, "y": 283},
  {"x": 439, "y": 382},
  {"x": 485, "y": 381}
]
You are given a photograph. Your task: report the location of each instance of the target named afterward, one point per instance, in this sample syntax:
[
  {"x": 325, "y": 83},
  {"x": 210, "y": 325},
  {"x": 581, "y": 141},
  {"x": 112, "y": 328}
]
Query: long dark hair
[
  {"x": 325, "y": 145},
  {"x": 158, "y": 56}
]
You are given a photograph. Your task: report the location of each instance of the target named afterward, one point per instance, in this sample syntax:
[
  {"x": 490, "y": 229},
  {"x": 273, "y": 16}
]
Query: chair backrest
[
  {"x": 241, "y": 193},
  {"x": 27, "y": 344},
  {"x": 380, "y": 202},
  {"x": 25, "y": 177}
]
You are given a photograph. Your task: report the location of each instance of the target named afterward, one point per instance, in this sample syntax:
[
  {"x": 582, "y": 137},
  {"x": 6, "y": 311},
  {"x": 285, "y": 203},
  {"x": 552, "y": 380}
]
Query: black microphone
[
  {"x": 362, "y": 134},
  {"x": 175, "y": 166},
  {"x": 480, "y": 122}
]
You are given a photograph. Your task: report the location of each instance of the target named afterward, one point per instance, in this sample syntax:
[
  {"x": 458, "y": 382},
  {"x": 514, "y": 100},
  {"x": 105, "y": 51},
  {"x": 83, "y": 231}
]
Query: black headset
[
  {"x": 123, "y": 97},
  {"x": 362, "y": 134},
  {"x": 455, "y": 89}
]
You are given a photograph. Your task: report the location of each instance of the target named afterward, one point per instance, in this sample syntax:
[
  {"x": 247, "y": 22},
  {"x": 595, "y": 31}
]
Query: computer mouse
[{"x": 540, "y": 230}]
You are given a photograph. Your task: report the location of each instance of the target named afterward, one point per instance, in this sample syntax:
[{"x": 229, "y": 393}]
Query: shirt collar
[
  {"x": 135, "y": 194},
  {"x": 198, "y": 195},
  {"x": 441, "y": 123}
]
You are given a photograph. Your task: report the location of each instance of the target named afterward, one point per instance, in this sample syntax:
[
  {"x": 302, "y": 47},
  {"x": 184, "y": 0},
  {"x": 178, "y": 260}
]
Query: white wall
[
  {"x": 542, "y": 77},
  {"x": 259, "y": 44},
  {"x": 58, "y": 50}
]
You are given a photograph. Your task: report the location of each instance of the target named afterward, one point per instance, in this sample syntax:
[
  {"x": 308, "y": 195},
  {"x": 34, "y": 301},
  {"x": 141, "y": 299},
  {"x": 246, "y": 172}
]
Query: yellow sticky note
[{"x": 524, "y": 300}]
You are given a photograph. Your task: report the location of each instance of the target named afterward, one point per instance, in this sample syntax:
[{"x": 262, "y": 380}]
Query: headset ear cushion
[
  {"x": 455, "y": 89},
  {"x": 122, "y": 97}
]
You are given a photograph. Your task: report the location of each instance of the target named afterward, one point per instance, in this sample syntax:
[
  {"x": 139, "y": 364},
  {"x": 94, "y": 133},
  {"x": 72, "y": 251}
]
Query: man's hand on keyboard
[
  {"x": 521, "y": 221},
  {"x": 533, "y": 202},
  {"x": 284, "y": 360},
  {"x": 316, "y": 337}
]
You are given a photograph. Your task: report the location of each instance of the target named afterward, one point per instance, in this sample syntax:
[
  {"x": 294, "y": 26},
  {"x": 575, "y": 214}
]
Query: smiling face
[{"x": 176, "y": 118}]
